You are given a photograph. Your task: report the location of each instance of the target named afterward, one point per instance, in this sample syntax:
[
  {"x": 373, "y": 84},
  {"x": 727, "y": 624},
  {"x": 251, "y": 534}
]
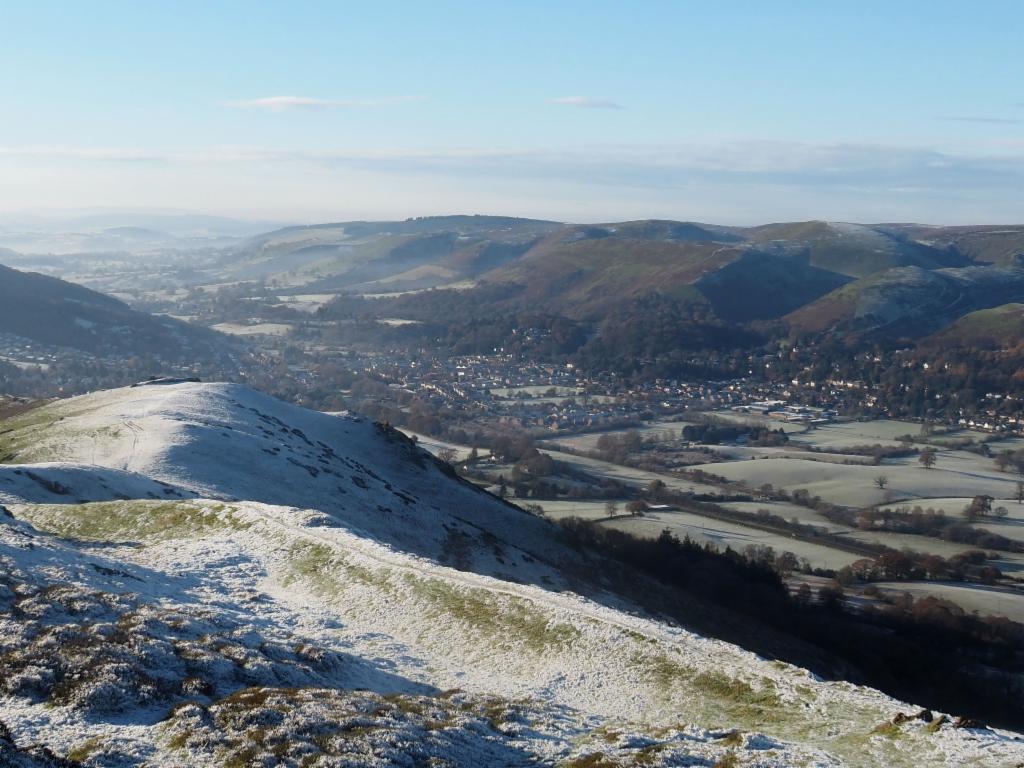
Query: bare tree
[
  {"x": 881, "y": 481},
  {"x": 636, "y": 508},
  {"x": 927, "y": 458},
  {"x": 447, "y": 455},
  {"x": 611, "y": 509}
]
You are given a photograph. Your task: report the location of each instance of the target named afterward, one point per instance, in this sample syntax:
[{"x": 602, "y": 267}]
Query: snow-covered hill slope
[
  {"x": 350, "y": 626},
  {"x": 228, "y": 442}
]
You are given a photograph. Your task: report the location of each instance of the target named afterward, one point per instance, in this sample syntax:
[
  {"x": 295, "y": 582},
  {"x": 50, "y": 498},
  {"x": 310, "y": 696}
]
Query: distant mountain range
[
  {"x": 896, "y": 280},
  {"x": 815, "y": 276}
]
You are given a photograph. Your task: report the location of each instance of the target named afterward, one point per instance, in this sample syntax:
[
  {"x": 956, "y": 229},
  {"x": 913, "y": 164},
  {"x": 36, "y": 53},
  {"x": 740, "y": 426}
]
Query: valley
[{"x": 518, "y": 492}]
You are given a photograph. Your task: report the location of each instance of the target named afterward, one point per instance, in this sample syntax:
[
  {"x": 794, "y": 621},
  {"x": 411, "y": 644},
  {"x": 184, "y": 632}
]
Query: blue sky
[{"x": 736, "y": 112}]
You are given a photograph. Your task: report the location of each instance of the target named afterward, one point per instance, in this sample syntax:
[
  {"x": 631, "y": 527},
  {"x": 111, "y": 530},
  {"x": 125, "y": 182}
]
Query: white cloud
[
  {"x": 584, "y": 102},
  {"x": 286, "y": 103}
]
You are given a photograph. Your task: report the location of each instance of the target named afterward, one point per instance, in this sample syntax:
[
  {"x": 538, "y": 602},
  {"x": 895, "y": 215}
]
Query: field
[
  {"x": 854, "y": 485},
  {"x": 984, "y": 600},
  {"x": 259, "y": 329},
  {"x": 718, "y": 532},
  {"x": 839, "y": 478}
]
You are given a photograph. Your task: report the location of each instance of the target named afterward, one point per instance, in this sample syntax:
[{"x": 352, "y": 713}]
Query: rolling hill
[
  {"x": 54, "y": 312},
  {"x": 384, "y": 256},
  {"x": 582, "y": 270},
  {"x": 200, "y": 575}
]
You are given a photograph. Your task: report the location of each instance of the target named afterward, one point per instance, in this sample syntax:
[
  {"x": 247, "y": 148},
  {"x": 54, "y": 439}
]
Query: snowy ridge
[{"x": 334, "y": 630}]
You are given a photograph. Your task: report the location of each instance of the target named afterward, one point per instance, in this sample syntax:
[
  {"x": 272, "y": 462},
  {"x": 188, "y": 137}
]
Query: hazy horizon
[{"x": 574, "y": 112}]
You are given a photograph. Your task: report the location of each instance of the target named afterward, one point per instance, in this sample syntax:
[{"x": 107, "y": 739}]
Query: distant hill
[
  {"x": 51, "y": 311},
  {"x": 822, "y": 273},
  {"x": 583, "y": 270},
  {"x": 909, "y": 301},
  {"x": 997, "y": 244},
  {"x": 384, "y": 256},
  {"x": 582, "y": 275},
  {"x": 855, "y": 250}
]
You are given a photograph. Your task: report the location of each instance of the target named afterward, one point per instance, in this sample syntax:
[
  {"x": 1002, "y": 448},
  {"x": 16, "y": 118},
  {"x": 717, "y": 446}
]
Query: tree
[
  {"x": 1020, "y": 491},
  {"x": 655, "y": 488},
  {"x": 447, "y": 455},
  {"x": 611, "y": 509},
  {"x": 980, "y": 506},
  {"x": 927, "y": 458},
  {"x": 786, "y": 563},
  {"x": 636, "y": 508},
  {"x": 803, "y": 595},
  {"x": 881, "y": 481},
  {"x": 1003, "y": 460}
]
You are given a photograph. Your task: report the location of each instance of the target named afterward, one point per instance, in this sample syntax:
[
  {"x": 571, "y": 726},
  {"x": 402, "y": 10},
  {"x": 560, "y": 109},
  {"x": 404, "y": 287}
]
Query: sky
[{"x": 727, "y": 112}]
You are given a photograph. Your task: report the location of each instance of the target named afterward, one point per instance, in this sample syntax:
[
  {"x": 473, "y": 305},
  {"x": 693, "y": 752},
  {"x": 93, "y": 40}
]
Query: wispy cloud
[
  {"x": 584, "y": 102},
  {"x": 982, "y": 119},
  {"x": 287, "y": 103}
]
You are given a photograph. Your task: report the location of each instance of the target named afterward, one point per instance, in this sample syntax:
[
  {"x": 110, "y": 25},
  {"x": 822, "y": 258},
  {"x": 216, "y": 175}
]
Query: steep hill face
[
  {"x": 581, "y": 276},
  {"x": 909, "y": 301},
  {"x": 760, "y": 286},
  {"x": 342, "y": 600},
  {"x": 51, "y": 311}
]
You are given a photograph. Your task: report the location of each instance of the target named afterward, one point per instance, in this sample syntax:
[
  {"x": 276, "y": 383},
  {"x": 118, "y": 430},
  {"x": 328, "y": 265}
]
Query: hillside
[
  {"x": 314, "y": 589},
  {"x": 909, "y": 301},
  {"x": 384, "y": 256},
  {"x": 580, "y": 270},
  {"x": 994, "y": 328},
  {"x": 994, "y": 244},
  {"x": 54, "y": 312},
  {"x": 582, "y": 276},
  {"x": 855, "y": 250}
]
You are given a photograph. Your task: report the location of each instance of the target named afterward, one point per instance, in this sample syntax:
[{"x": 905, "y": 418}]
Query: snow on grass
[
  {"x": 435, "y": 628},
  {"x": 402, "y": 581}
]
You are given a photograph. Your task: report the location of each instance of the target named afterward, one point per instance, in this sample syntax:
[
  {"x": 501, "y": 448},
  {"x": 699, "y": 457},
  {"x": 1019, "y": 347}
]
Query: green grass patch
[
  {"x": 721, "y": 686},
  {"x": 328, "y": 571},
  {"x": 84, "y": 750},
  {"x": 663, "y": 671},
  {"x": 136, "y": 520},
  {"x": 509, "y": 619}
]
